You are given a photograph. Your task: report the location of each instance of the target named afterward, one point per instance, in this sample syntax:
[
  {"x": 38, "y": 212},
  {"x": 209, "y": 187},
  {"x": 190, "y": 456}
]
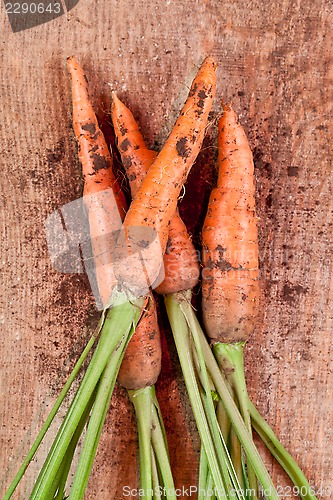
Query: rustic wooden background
[{"x": 275, "y": 66}]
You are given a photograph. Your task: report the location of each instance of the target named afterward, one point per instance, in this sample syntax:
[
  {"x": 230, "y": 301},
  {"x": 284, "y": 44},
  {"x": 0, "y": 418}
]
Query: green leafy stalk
[
  {"x": 233, "y": 443},
  {"x": 236, "y": 455},
  {"x": 248, "y": 492},
  {"x": 142, "y": 401},
  {"x": 280, "y": 454},
  {"x": 203, "y": 474},
  {"x": 51, "y": 416},
  {"x": 210, "y": 495},
  {"x": 161, "y": 452},
  {"x": 223, "y": 420},
  {"x": 118, "y": 323},
  {"x": 205, "y": 482},
  {"x": 155, "y": 477},
  {"x": 235, "y": 418},
  {"x": 101, "y": 404},
  {"x": 239, "y": 427},
  {"x": 181, "y": 335},
  {"x": 228, "y": 472},
  {"x": 153, "y": 449},
  {"x": 230, "y": 358},
  {"x": 68, "y": 458}
]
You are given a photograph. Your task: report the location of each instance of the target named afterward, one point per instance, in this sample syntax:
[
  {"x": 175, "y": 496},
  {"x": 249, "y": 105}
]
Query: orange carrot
[
  {"x": 142, "y": 360},
  {"x": 135, "y": 156},
  {"x": 230, "y": 292},
  {"x": 147, "y": 221},
  {"x": 105, "y": 208},
  {"x": 93, "y": 151},
  {"x": 230, "y": 287},
  {"x": 181, "y": 266},
  {"x": 141, "y": 364},
  {"x": 180, "y": 259}
]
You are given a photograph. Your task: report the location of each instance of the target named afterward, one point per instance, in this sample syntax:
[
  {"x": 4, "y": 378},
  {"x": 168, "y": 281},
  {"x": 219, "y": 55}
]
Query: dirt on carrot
[
  {"x": 180, "y": 261},
  {"x": 230, "y": 286},
  {"x": 156, "y": 200},
  {"x": 141, "y": 364},
  {"x": 102, "y": 196}
]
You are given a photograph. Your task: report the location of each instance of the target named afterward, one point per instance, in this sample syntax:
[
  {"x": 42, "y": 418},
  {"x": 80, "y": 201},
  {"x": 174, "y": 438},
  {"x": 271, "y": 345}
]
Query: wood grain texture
[{"x": 275, "y": 66}]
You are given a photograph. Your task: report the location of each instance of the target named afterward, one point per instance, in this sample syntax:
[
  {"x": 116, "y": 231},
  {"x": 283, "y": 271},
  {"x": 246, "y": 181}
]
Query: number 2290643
[{"x": 32, "y": 8}]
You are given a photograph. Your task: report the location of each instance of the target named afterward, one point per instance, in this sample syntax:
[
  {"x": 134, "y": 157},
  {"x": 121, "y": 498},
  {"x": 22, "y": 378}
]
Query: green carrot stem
[
  {"x": 232, "y": 486},
  {"x": 101, "y": 404},
  {"x": 118, "y": 323},
  {"x": 210, "y": 495},
  {"x": 230, "y": 358},
  {"x": 142, "y": 401},
  {"x": 229, "y": 475},
  {"x": 54, "y": 486},
  {"x": 203, "y": 474},
  {"x": 180, "y": 331},
  {"x": 239, "y": 426},
  {"x": 235, "y": 452},
  {"x": 205, "y": 483},
  {"x": 59, "y": 492},
  {"x": 232, "y": 440},
  {"x": 68, "y": 458},
  {"x": 236, "y": 419},
  {"x": 236, "y": 456},
  {"x": 160, "y": 448},
  {"x": 157, "y": 490},
  {"x": 280, "y": 454},
  {"x": 50, "y": 417},
  {"x": 202, "y": 374},
  {"x": 157, "y": 414},
  {"x": 223, "y": 420},
  {"x": 248, "y": 492}
]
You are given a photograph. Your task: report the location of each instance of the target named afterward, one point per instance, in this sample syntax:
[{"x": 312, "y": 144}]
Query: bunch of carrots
[{"x": 143, "y": 247}]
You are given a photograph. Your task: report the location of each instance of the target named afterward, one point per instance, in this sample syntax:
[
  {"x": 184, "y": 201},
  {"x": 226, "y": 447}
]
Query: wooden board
[{"x": 275, "y": 66}]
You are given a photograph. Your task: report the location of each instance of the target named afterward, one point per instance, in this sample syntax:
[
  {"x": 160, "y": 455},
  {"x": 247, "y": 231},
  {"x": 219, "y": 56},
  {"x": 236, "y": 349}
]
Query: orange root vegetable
[
  {"x": 180, "y": 260},
  {"x": 181, "y": 265},
  {"x": 135, "y": 156},
  {"x": 93, "y": 151},
  {"x": 103, "y": 198},
  {"x": 230, "y": 295},
  {"x": 230, "y": 286},
  {"x": 142, "y": 361},
  {"x": 141, "y": 364},
  {"x": 155, "y": 203}
]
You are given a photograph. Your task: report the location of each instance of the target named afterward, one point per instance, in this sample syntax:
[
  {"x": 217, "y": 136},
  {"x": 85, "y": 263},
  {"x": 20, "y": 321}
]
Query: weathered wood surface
[{"x": 275, "y": 66}]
